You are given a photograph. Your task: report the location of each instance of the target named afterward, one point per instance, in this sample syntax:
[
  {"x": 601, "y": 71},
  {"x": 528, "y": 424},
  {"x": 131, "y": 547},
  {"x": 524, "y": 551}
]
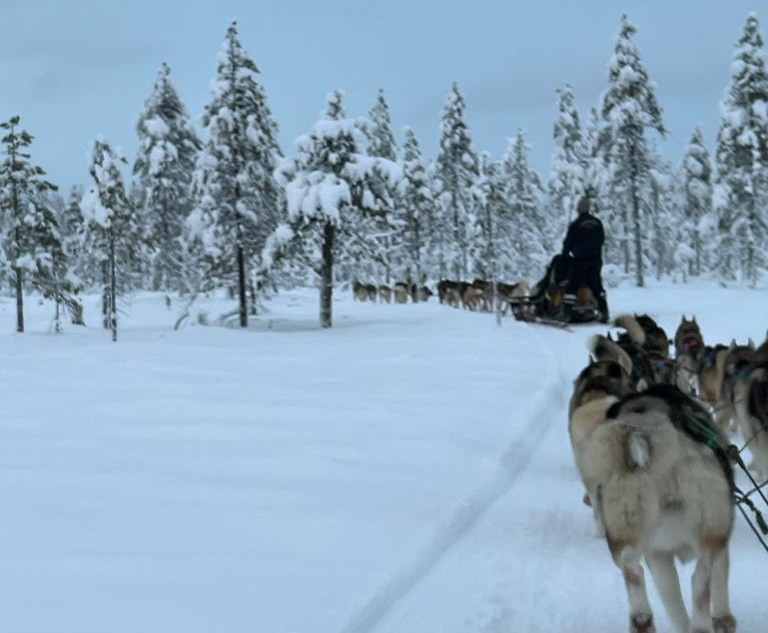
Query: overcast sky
[{"x": 73, "y": 69}]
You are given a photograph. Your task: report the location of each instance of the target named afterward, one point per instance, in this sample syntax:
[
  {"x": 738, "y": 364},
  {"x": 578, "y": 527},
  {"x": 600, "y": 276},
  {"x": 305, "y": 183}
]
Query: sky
[{"x": 74, "y": 69}]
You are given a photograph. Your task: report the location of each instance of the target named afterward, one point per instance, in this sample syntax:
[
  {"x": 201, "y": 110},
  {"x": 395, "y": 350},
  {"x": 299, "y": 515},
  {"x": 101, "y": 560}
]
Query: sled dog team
[
  {"x": 650, "y": 434},
  {"x": 474, "y": 295}
]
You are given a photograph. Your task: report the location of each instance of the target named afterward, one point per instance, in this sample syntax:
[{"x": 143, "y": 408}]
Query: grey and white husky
[{"x": 663, "y": 485}]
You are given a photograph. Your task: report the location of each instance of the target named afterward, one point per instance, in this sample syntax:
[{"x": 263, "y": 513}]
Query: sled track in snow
[{"x": 513, "y": 461}]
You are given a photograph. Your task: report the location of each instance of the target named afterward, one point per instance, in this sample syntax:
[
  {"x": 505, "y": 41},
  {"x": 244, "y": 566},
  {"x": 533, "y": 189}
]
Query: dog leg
[
  {"x": 702, "y": 590},
  {"x": 640, "y": 615},
  {"x": 723, "y": 620},
  {"x": 664, "y": 574}
]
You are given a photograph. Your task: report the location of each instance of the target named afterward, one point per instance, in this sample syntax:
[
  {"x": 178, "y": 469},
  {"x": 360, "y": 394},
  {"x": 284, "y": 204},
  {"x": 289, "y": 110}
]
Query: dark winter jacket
[{"x": 585, "y": 238}]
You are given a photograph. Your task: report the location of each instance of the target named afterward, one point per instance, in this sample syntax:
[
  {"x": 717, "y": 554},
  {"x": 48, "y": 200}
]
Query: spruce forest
[{"x": 220, "y": 206}]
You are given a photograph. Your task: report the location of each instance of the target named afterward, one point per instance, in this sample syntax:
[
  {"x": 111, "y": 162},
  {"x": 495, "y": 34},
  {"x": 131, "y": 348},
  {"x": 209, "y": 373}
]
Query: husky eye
[{"x": 639, "y": 409}]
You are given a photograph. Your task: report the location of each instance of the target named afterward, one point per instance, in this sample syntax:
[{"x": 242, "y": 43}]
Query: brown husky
[{"x": 663, "y": 487}]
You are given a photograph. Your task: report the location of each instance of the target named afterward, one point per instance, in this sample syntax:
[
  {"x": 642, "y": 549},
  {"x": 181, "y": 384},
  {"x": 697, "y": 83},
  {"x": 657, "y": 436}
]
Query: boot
[
  {"x": 566, "y": 310},
  {"x": 602, "y": 309}
]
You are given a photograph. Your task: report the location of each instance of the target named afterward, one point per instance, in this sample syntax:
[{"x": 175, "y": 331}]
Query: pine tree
[
  {"x": 741, "y": 189},
  {"x": 382, "y": 145},
  {"x": 524, "y": 197},
  {"x": 236, "y": 196},
  {"x": 419, "y": 207},
  {"x": 54, "y": 276},
  {"x": 629, "y": 106},
  {"x": 696, "y": 182},
  {"x": 569, "y": 163},
  {"x": 168, "y": 147},
  {"x": 493, "y": 245},
  {"x": 114, "y": 233},
  {"x": 73, "y": 233},
  {"x": 29, "y": 226},
  {"x": 456, "y": 169},
  {"x": 333, "y": 196}
]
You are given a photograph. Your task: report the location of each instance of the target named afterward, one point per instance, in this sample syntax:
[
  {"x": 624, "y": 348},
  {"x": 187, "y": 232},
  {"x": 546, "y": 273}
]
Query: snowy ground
[{"x": 407, "y": 471}]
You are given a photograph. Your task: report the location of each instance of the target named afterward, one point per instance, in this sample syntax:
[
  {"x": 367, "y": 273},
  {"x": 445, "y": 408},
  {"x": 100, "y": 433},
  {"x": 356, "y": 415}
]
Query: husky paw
[
  {"x": 724, "y": 623},
  {"x": 641, "y": 623}
]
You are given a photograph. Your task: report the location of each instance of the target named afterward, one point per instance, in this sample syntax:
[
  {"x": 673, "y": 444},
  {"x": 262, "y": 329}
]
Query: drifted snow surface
[{"x": 408, "y": 471}]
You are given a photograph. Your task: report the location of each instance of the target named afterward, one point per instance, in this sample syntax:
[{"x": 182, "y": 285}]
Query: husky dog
[
  {"x": 736, "y": 365},
  {"x": 472, "y": 297},
  {"x": 663, "y": 487},
  {"x": 630, "y": 356},
  {"x": 359, "y": 291},
  {"x": 688, "y": 338},
  {"x": 648, "y": 346},
  {"x": 511, "y": 296},
  {"x": 401, "y": 290},
  {"x": 710, "y": 372},
  {"x": 751, "y": 405},
  {"x": 385, "y": 293},
  {"x": 423, "y": 293},
  {"x": 689, "y": 346}
]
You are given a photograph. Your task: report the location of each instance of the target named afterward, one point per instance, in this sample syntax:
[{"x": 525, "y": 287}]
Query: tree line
[{"x": 226, "y": 209}]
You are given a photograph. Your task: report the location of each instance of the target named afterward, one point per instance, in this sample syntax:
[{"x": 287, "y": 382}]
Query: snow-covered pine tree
[
  {"x": 456, "y": 169},
  {"x": 696, "y": 199},
  {"x": 390, "y": 229},
  {"x": 419, "y": 206},
  {"x": 599, "y": 183},
  {"x": 492, "y": 246},
  {"x": 524, "y": 195},
  {"x": 333, "y": 196},
  {"x": 28, "y": 224},
  {"x": 168, "y": 147},
  {"x": 73, "y": 230},
  {"x": 53, "y": 275},
  {"x": 569, "y": 163},
  {"x": 236, "y": 196},
  {"x": 629, "y": 106},
  {"x": 114, "y": 233},
  {"x": 741, "y": 185}
]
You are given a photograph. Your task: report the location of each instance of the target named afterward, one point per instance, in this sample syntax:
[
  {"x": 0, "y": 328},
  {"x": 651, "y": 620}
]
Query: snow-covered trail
[
  {"x": 408, "y": 470},
  {"x": 533, "y": 562}
]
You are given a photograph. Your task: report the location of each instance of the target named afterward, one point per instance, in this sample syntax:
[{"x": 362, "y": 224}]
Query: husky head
[
  {"x": 688, "y": 338},
  {"x": 738, "y": 362}
]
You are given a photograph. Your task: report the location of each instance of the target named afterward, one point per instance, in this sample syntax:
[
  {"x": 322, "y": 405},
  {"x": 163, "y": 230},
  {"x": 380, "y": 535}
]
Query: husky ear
[
  {"x": 610, "y": 338},
  {"x": 751, "y": 344},
  {"x": 684, "y": 321},
  {"x": 733, "y": 344},
  {"x": 693, "y": 320},
  {"x": 642, "y": 384}
]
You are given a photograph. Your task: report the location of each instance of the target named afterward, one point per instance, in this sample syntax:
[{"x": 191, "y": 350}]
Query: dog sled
[{"x": 544, "y": 304}]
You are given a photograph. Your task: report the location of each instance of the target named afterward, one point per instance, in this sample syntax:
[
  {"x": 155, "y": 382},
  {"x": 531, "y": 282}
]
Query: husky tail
[
  {"x": 638, "y": 450},
  {"x": 634, "y": 329}
]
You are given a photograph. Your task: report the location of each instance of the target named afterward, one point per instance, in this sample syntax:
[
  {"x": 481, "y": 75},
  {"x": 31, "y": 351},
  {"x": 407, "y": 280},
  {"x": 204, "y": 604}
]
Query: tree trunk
[
  {"x": 19, "y": 299},
  {"x": 241, "y": 285},
  {"x": 326, "y": 276},
  {"x": 636, "y": 218},
  {"x": 105, "y": 294},
  {"x": 112, "y": 290}
]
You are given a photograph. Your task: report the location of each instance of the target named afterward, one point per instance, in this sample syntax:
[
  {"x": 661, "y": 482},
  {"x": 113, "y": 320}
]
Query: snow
[
  {"x": 156, "y": 127},
  {"x": 408, "y": 470}
]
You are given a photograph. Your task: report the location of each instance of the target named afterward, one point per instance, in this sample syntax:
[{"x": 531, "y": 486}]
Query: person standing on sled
[{"x": 583, "y": 247}]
